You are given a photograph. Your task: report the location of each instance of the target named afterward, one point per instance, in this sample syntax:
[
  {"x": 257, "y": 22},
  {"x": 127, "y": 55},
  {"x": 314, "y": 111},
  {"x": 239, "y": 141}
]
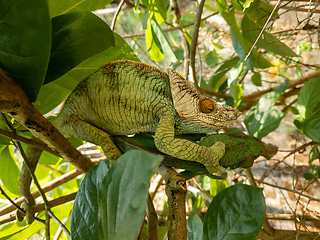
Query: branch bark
[
  {"x": 47, "y": 187},
  {"x": 15, "y": 102},
  {"x": 194, "y": 42},
  {"x": 39, "y": 207},
  {"x": 176, "y": 191}
]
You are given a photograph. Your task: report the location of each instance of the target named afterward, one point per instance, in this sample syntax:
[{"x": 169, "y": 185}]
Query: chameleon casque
[{"x": 127, "y": 97}]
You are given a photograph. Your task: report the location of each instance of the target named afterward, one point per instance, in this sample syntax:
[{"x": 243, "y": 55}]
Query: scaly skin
[{"x": 126, "y": 97}]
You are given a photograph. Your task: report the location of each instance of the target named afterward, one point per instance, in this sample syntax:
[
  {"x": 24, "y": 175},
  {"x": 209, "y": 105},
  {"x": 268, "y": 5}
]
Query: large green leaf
[
  {"x": 76, "y": 37},
  {"x": 53, "y": 93},
  {"x": 236, "y": 213},
  {"x": 262, "y": 118},
  {"x": 25, "y": 35},
  {"x": 84, "y": 218},
  {"x": 309, "y": 108},
  {"x": 9, "y": 173},
  {"x": 241, "y": 46},
  {"x": 157, "y": 43},
  {"x": 259, "y": 11},
  {"x": 123, "y": 195},
  {"x": 58, "y": 7},
  {"x": 251, "y": 31},
  {"x": 311, "y": 126},
  {"x": 309, "y": 98},
  {"x": 194, "y": 228}
]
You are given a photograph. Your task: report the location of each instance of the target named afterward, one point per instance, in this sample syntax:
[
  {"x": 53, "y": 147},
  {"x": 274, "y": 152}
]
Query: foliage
[{"x": 47, "y": 47}]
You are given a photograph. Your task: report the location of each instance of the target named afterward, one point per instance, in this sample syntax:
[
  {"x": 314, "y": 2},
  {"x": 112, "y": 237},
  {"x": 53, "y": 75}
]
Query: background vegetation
[{"x": 240, "y": 52}]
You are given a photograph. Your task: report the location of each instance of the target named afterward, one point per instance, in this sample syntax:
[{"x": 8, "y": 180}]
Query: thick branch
[
  {"x": 176, "y": 191},
  {"x": 15, "y": 102},
  {"x": 252, "y": 98},
  {"x": 28, "y": 141}
]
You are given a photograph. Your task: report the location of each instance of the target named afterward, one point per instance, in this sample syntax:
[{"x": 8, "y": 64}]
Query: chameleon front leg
[
  {"x": 74, "y": 127},
  {"x": 184, "y": 149}
]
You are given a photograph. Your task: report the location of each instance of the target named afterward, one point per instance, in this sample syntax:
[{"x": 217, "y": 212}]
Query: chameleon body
[{"x": 126, "y": 97}]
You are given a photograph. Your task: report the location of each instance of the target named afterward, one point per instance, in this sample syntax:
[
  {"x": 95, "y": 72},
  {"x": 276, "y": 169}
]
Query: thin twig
[
  {"x": 28, "y": 141},
  {"x": 194, "y": 42},
  {"x": 113, "y": 23},
  {"x": 39, "y": 208},
  {"x": 289, "y": 190},
  {"x": 46, "y": 187},
  {"x": 262, "y": 30},
  {"x": 17, "y": 206},
  {"x": 169, "y": 29},
  {"x": 45, "y": 200},
  {"x": 285, "y": 157}
]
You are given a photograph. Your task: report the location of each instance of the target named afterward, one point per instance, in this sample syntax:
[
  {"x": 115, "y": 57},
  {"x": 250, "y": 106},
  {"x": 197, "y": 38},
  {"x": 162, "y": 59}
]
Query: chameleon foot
[{"x": 218, "y": 150}]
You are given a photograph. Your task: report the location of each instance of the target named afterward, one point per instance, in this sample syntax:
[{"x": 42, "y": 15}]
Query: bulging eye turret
[{"x": 207, "y": 105}]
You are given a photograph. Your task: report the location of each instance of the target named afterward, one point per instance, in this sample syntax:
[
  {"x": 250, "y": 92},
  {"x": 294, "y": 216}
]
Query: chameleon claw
[{"x": 218, "y": 150}]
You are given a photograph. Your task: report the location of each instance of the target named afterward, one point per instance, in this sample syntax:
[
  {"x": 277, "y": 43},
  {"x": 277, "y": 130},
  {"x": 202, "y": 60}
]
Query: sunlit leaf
[
  {"x": 9, "y": 173},
  {"x": 58, "y": 7}
]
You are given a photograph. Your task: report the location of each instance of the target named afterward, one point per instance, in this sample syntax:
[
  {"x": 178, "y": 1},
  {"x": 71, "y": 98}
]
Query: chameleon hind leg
[{"x": 74, "y": 127}]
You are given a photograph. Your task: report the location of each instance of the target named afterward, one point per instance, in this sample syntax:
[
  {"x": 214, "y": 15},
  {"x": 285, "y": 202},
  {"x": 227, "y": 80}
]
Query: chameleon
[{"x": 126, "y": 97}]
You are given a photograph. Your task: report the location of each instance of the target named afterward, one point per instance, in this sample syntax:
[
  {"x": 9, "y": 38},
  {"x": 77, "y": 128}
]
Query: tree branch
[
  {"x": 176, "y": 191},
  {"x": 194, "y": 42},
  {"x": 46, "y": 187},
  {"x": 39, "y": 207},
  {"x": 28, "y": 141},
  {"x": 15, "y": 102}
]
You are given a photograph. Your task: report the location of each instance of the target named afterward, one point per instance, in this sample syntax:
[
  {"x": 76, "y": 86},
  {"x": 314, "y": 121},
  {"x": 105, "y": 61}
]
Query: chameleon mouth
[{"x": 232, "y": 113}]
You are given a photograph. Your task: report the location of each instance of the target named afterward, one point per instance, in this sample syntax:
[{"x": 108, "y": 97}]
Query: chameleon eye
[{"x": 206, "y": 105}]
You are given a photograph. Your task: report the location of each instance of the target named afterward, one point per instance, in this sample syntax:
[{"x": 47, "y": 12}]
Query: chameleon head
[{"x": 197, "y": 111}]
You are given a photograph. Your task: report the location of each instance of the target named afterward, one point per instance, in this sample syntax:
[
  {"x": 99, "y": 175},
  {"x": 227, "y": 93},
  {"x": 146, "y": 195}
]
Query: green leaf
[
  {"x": 262, "y": 118},
  {"x": 84, "y": 218},
  {"x": 76, "y": 37},
  {"x": 9, "y": 173},
  {"x": 314, "y": 153},
  {"x": 309, "y": 97},
  {"x": 240, "y": 45},
  {"x": 25, "y": 36},
  {"x": 219, "y": 77},
  {"x": 194, "y": 228},
  {"x": 308, "y": 176},
  {"x": 236, "y": 213},
  {"x": 259, "y": 11},
  {"x": 58, "y": 7},
  {"x": 247, "y": 4},
  {"x": 160, "y": 41},
  {"x": 53, "y": 93},
  {"x": 251, "y": 31},
  {"x": 123, "y": 195},
  {"x": 217, "y": 185},
  {"x": 311, "y": 127},
  {"x": 24, "y": 232},
  {"x": 256, "y": 79}
]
